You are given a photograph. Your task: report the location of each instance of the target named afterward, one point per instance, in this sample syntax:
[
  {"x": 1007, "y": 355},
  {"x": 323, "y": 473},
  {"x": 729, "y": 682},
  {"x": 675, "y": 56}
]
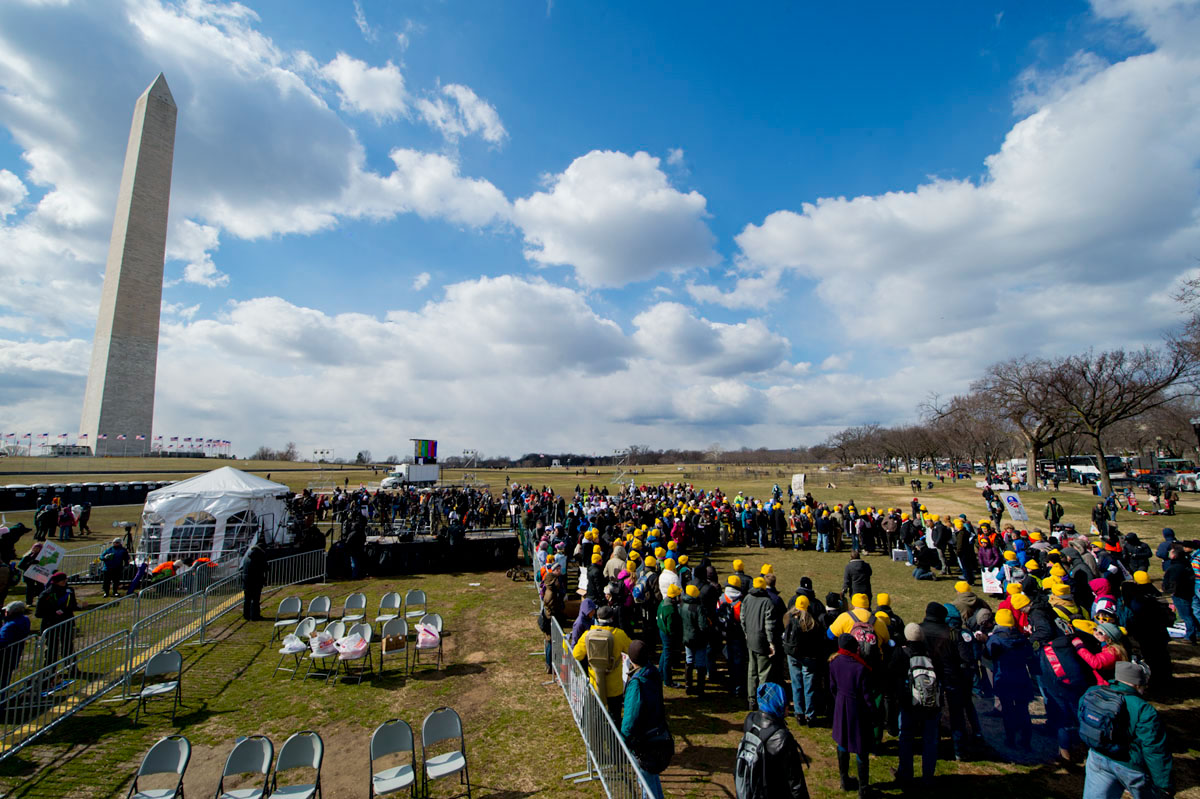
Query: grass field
[{"x": 519, "y": 733}]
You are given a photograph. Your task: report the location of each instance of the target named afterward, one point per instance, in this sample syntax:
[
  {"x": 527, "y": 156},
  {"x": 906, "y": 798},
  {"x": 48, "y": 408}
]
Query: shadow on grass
[{"x": 453, "y": 670}]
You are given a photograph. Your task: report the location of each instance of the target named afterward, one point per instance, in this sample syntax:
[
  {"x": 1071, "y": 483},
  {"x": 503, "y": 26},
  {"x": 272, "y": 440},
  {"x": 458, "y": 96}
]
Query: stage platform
[{"x": 481, "y": 550}]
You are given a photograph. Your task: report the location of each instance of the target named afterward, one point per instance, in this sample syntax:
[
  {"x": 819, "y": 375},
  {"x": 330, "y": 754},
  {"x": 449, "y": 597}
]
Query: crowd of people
[{"x": 1066, "y": 618}]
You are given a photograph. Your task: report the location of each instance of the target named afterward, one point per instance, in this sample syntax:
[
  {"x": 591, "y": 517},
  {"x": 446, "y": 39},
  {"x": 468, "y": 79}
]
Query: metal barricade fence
[
  {"x": 294, "y": 569},
  {"x": 39, "y": 701},
  {"x": 192, "y": 581},
  {"x": 82, "y": 565},
  {"x": 607, "y": 757}
]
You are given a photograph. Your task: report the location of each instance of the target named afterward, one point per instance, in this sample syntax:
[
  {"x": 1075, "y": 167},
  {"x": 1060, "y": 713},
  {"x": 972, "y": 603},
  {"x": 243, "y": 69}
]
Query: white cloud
[
  {"x": 364, "y": 27},
  {"x": 675, "y": 156},
  {"x": 1092, "y": 199},
  {"x": 837, "y": 362},
  {"x": 615, "y": 219},
  {"x": 464, "y": 114},
  {"x": 756, "y": 291},
  {"x": 12, "y": 193},
  {"x": 404, "y": 37},
  {"x": 378, "y": 91},
  {"x": 421, "y": 281},
  {"x": 193, "y": 243},
  {"x": 669, "y": 332},
  {"x": 429, "y": 185}
]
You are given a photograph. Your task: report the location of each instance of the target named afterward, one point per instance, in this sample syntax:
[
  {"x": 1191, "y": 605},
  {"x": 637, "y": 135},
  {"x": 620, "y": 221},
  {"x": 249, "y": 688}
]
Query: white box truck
[{"x": 412, "y": 474}]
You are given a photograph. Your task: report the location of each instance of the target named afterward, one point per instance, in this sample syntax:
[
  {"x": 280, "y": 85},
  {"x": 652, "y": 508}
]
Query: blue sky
[{"x": 517, "y": 227}]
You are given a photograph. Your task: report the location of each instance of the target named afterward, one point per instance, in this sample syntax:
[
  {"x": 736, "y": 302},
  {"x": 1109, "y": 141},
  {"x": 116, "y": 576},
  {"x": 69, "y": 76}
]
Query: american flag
[
  {"x": 120, "y": 436},
  {"x": 62, "y": 435},
  {"x": 83, "y": 435},
  {"x": 103, "y": 436},
  {"x": 27, "y": 435},
  {"x": 158, "y": 438},
  {"x": 10, "y": 435},
  {"x": 174, "y": 438},
  {"x": 43, "y": 435},
  {"x": 139, "y": 438}
]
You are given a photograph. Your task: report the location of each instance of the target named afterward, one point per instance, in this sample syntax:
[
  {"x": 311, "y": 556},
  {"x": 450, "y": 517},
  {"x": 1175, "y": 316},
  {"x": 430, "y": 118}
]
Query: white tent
[{"x": 215, "y": 512}]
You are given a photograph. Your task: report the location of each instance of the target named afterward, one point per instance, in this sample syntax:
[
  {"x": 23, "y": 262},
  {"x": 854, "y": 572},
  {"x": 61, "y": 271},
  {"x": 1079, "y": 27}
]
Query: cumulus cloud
[
  {"x": 615, "y": 219},
  {"x": 193, "y": 244},
  {"x": 12, "y": 192},
  {"x": 421, "y": 281},
  {"x": 671, "y": 333},
  {"x": 675, "y": 156},
  {"x": 378, "y": 91},
  {"x": 1086, "y": 199},
  {"x": 429, "y": 185}
]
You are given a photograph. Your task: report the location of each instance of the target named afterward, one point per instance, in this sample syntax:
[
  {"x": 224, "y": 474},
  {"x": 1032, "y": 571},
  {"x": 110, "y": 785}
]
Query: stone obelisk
[{"x": 119, "y": 401}]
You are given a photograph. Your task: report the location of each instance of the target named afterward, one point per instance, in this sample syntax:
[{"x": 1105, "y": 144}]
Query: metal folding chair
[
  {"x": 319, "y": 607},
  {"x": 169, "y": 756},
  {"x": 252, "y": 755},
  {"x": 303, "y": 630},
  {"x": 443, "y": 724},
  {"x": 415, "y": 597},
  {"x": 354, "y": 608},
  {"x": 364, "y": 659},
  {"x": 165, "y": 663},
  {"x": 434, "y": 620},
  {"x": 287, "y": 615},
  {"x": 395, "y": 627},
  {"x": 393, "y": 737},
  {"x": 338, "y": 630},
  {"x": 390, "y": 605},
  {"x": 305, "y": 749}
]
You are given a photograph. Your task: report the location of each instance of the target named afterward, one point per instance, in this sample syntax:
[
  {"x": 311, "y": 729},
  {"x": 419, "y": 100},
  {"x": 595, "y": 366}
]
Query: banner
[
  {"x": 992, "y": 584},
  {"x": 1016, "y": 509},
  {"x": 48, "y": 562},
  {"x": 798, "y": 485}
]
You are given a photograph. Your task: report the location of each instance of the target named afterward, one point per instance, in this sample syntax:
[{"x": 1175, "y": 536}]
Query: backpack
[
  {"x": 601, "y": 653},
  {"x": 750, "y": 767},
  {"x": 1104, "y": 722},
  {"x": 727, "y": 621},
  {"x": 864, "y": 633},
  {"x": 791, "y": 638},
  {"x": 922, "y": 677},
  {"x": 642, "y": 589}
]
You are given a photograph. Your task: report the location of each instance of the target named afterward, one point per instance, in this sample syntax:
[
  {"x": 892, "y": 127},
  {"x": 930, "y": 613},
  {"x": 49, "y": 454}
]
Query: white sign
[
  {"x": 992, "y": 582},
  {"x": 1016, "y": 509},
  {"x": 48, "y": 561},
  {"x": 798, "y": 485}
]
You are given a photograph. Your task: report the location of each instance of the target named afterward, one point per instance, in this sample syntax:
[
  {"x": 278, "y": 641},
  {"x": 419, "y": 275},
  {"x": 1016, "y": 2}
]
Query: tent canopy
[{"x": 212, "y": 513}]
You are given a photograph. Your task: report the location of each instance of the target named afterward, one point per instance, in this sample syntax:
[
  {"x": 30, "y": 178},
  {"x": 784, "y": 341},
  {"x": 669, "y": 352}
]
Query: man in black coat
[
  {"x": 857, "y": 577},
  {"x": 784, "y": 769},
  {"x": 254, "y": 568},
  {"x": 942, "y": 643}
]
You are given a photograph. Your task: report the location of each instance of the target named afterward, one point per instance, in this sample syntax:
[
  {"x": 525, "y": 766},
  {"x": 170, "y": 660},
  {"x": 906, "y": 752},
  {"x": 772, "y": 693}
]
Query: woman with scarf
[{"x": 852, "y": 724}]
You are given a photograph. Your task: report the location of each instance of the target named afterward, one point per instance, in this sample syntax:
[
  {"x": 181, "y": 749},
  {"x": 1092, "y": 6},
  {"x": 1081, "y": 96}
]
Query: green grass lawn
[{"x": 520, "y": 736}]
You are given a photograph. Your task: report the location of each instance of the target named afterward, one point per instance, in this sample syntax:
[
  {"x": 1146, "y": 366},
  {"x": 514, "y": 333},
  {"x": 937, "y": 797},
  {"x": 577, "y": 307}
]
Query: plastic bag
[
  {"x": 353, "y": 644},
  {"x": 322, "y": 643},
  {"x": 427, "y": 637},
  {"x": 292, "y": 645}
]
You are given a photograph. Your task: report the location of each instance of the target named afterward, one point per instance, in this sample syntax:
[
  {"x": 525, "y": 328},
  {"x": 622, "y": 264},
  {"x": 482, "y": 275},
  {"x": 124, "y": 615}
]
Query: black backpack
[
  {"x": 750, "y": 767},
  {"x": 791, "y": 638}
]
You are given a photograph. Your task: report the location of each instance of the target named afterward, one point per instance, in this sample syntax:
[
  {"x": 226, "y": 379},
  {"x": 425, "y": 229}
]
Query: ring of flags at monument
[{"x": 188, "y": 443}]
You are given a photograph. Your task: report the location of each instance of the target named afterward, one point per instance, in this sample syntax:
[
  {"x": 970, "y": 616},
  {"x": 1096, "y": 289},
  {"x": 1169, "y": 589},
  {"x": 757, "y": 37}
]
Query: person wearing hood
[
  {"x": 967, "y": 602},
  {"x": 849, "y": 677},
  {"x": 942, "y": 647},
  {"x": 856, "y": 578},
  {"x": 696, "y": 632},
  {"x": 783, "y": 768},
  {"x": 14, "y": 629},
  {"x": 905, "y": 661},
  {"x": 895, "y": 624},
  {"x": 1013, "y": 657},
  {"x": 1137, "y": 553},
  {"x": 804, "y": 645},
  {"x": 616, "y": 562},
  {"x": 670, "y": 630},
  {"x": 585, "y": 619},
  {"x": 729, "y": 628},
  {"x": 815, "y": 605},
  {"x": 1164, "y": 547}
]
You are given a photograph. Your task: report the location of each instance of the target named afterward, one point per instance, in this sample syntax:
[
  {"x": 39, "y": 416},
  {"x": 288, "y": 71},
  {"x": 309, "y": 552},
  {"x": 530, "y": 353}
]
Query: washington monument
[{"x": 118, "y": 405}]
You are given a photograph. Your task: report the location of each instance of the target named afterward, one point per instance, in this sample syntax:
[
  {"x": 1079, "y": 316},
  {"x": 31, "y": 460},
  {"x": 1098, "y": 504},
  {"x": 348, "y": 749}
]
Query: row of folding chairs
[
  {"x": 392, "y": 641},
  {"x": 413, "y": 606},
  {"x": 255, "y": 755}
]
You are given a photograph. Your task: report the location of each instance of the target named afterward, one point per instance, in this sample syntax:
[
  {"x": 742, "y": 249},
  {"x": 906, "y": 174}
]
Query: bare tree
[
  {"x": 1018, "y": 388},
  {"x": 1097, "y": 390}
]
